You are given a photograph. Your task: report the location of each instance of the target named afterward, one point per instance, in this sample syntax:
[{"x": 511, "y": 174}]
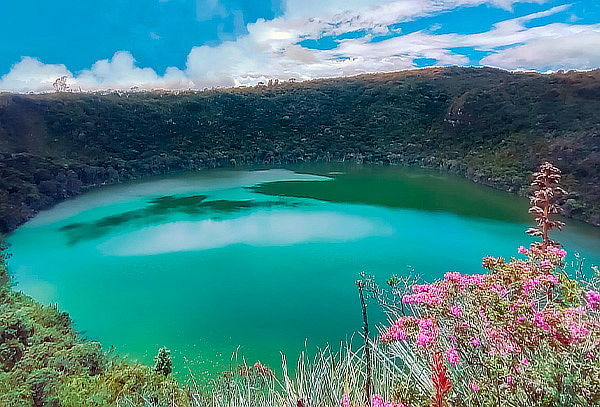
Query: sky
[{"x": 181, "y": 44}]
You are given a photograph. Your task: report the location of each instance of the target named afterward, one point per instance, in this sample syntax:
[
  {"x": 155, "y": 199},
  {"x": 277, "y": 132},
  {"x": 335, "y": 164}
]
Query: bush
[{"x": 524, "y": 333}]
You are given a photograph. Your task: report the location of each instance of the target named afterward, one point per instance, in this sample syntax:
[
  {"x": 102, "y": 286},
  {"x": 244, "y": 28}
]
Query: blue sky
[{"x": 204, "y": 43}]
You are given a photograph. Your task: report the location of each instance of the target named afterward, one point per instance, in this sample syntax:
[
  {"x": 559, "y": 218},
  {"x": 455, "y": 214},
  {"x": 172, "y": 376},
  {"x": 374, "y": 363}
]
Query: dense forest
[{"x": 489, "y": 125}]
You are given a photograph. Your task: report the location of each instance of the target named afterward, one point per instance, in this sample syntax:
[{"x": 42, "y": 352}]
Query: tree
[
  {"x": 60, "y": 84},
  {"x": 162, "y": 361}
]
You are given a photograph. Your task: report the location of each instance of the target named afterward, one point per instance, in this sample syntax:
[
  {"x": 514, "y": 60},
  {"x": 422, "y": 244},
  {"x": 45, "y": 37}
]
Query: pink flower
[
  {"x": 593, "y": 299},
  {"x": 474, "y": 387},
  {"x": 345, "y": 401},
  {"x": 475, "y": 342},
  {"x": 377, "y": 401},
  {"x": 525, "y": 362},
  {"x": 522, "y": 250},
  {"x": 540, "y": 321},
  {"x": 578, "y": 332},
  {"x": 534, "y": 282},
  {"x": 452, "y": 356},
  {"x": 397, "y": 331},
  {"x": 454, "y": 277},
  {"x": 501, "y": 290},
  {"x": 522, "y": 319},
  {"x": 456, "y": 311},
  {"x": 429, "y": 294},
  {"x": 428, "y": 332},
  {"x": 557, "y": 251},
  {"x": 509, "y": 380}
]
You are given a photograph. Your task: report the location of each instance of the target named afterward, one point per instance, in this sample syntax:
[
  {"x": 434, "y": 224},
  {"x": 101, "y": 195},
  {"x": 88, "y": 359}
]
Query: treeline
[{"x": 489, "y": 125}]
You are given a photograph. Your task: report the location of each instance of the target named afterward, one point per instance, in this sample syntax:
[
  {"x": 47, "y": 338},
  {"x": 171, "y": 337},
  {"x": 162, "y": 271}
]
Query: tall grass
[{"x": 315, "y": 379}]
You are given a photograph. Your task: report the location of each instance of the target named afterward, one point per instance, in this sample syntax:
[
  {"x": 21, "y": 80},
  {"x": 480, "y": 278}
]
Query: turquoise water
[{"x": 259, "y": 261}]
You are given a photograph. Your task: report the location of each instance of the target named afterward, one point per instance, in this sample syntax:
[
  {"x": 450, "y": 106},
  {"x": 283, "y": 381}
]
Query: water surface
[{"x": 263, "y": 260}]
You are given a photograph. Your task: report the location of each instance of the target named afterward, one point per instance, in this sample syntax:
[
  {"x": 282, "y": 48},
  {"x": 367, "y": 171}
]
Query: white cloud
[
  {"x": 119, "y": 72},
  {"x": 32, "y": 75},
  {"x": 271, "y": 48},
  {"x": 578, "y": 50}
]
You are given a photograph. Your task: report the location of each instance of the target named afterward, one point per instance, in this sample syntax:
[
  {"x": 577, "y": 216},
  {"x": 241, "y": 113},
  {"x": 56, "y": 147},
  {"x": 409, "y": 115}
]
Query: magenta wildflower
[
  {"x": 378, "y": 401},
  {"x": 593, "y": 299},
  {"x": 557, "y": 251},
  {"x": 522, "y": 250},
  {"x": 345, "y": 401},
  {"x": 428, "y": 332},
  {"x": 397, "y": 331},
  {"x": 578, "y": 332},
  {"x": 429, "y": 294},
  {"x": 474, "y": 386},
  {"x": 452, "y": 356},
  {"x": 456, "y": 311}
]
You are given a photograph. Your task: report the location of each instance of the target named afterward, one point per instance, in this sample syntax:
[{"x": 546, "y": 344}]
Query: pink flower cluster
[
  {"x": 452, "y": 356},
  {"x": 464, "y": 280},
  {"x": 377, "y": 401},
  {"x": 397, "y": 331},
  {"x": 436, "y": 294},
  {"x": 531, "y": 283},
  {"x": 428, "y": 332},
  {"x": 345, "y": 401},
  {"x": 564, "y": 326},
  {"x": 430, "y": 294},
  {"x": 557, "y": 251},
  {"x": 456, "y": 311},
  {"x": 501, "y": 342},
  {"x": 593, "y": 299}
]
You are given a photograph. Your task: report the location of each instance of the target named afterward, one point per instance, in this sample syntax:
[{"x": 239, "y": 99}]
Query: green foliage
[{"x": 162, "y": 362}]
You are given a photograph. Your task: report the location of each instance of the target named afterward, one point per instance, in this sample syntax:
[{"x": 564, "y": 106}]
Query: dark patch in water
[
  {"x": 159, "y": 209},
  {"x": 394, "y": 189}
]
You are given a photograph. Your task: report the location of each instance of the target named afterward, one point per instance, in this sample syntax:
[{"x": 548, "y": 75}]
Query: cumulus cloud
[
  {"x": 272, "y": 48},
  {"x": 31, "y": 75},
  {"x": 119, "y": 72}
]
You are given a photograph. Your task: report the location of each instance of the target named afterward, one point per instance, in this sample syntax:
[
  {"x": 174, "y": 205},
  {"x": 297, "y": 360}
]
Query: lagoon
[{"x": 258, "y": 261}]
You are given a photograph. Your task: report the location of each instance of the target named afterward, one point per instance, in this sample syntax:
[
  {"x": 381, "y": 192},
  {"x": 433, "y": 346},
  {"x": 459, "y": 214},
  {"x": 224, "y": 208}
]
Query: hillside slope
[{"x": 489, "y": 125}]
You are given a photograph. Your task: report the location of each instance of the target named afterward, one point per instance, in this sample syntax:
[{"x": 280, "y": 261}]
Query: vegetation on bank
[
  {"x": 526, "y": 332},
  {"x": 489, "y": 125},
  {"x": 45, "y": 363}
]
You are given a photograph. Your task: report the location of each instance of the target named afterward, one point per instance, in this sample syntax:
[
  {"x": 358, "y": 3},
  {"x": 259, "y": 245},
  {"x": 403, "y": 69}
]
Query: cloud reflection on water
[{"x": 281, "y": 228}]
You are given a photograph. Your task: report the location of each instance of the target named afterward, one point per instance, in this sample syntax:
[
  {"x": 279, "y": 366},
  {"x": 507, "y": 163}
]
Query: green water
[{"x": 263, "y": 260}]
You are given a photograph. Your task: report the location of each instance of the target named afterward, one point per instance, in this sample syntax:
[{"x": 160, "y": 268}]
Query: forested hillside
[{"x": 490, "y": 125}]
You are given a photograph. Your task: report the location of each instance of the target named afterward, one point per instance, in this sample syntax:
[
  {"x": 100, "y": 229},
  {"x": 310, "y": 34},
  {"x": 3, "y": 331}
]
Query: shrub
[{"x": 524, "y": 333}]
